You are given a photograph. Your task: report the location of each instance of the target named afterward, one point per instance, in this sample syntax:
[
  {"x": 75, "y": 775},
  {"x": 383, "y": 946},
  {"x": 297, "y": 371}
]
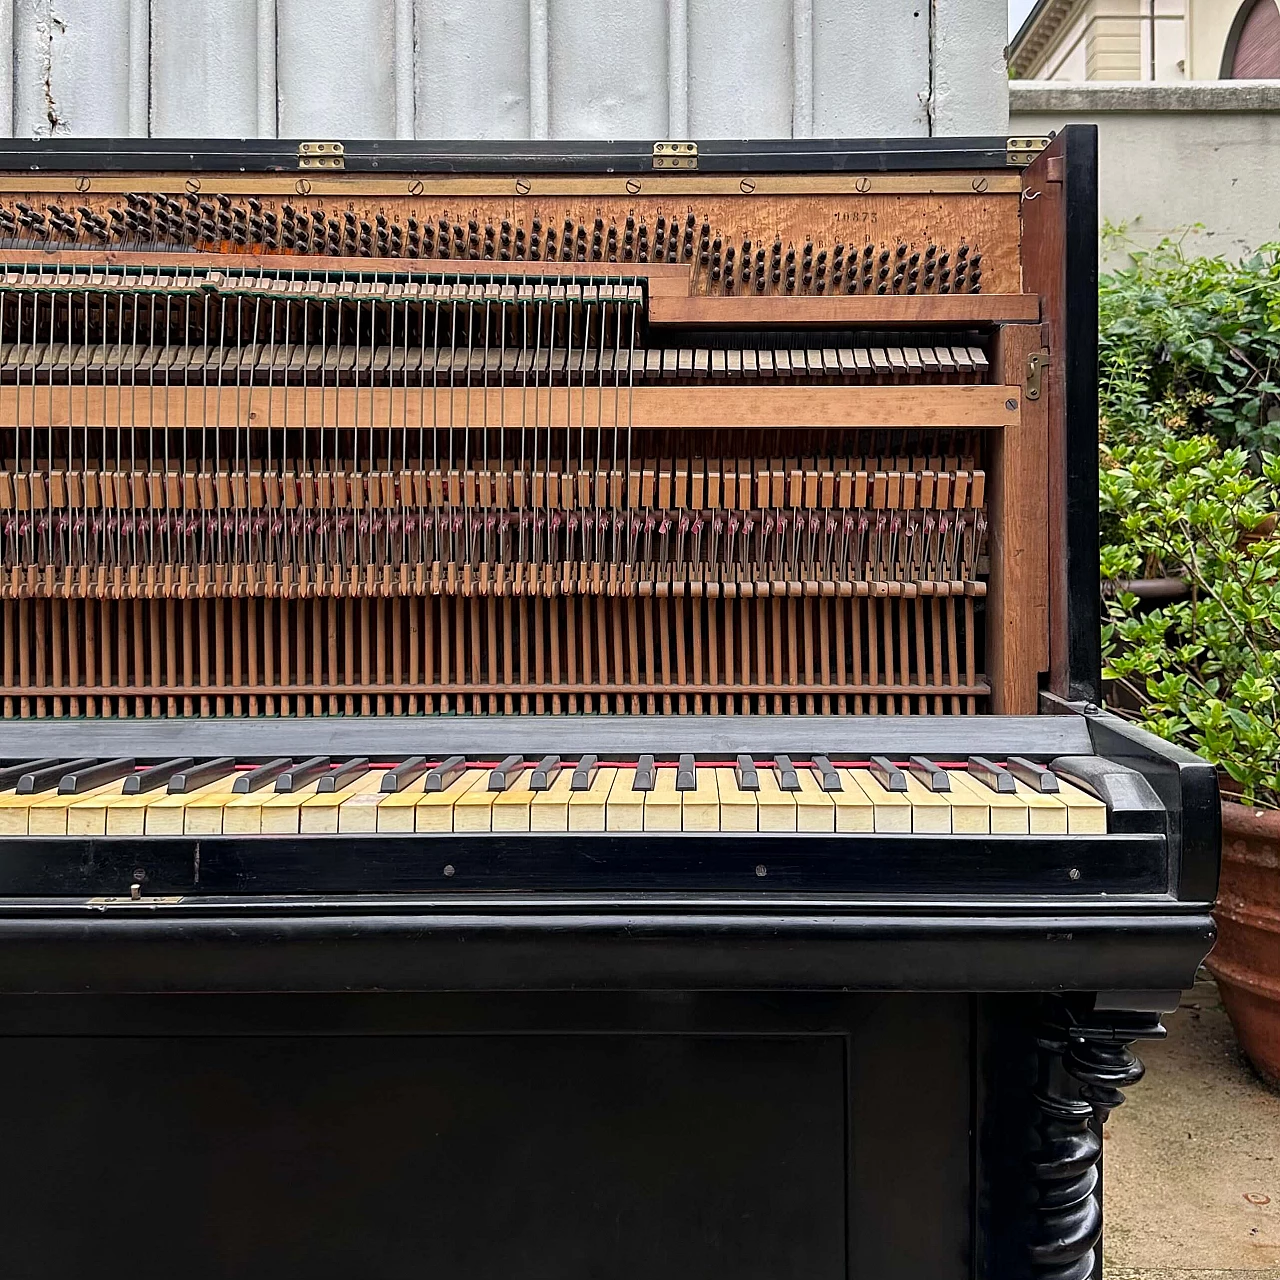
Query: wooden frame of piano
[{"x": 1041, "y": 591}]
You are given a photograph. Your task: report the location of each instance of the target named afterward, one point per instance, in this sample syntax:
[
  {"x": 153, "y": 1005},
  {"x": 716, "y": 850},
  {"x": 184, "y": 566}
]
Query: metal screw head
[
  {"x": 139, "y": 873},
  {"x": 302, "y": 187},
  {"x": 1074, "y": 873},
  {"x": 522, "y": 186},
  {"x": 633, "y": 186},
  {"x": 747, "y": 186},
  {"x": 193, "y": 185},
  {"x": 417, "y": 187},
  {"x": 761, "y": 870},
  {"x": 1011, "y": 405},
  {"x": 980, "y": 183},
  {"x": 83, "y": 184},
  {"x": 449, "y": 869},
  {"x": 862, "y": 186}
]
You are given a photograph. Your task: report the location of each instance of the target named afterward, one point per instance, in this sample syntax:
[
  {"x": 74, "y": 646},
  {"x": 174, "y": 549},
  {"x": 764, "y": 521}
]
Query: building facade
[
  {"x": 1148, "y": 40},
  {"x": 439, "y": 69}
]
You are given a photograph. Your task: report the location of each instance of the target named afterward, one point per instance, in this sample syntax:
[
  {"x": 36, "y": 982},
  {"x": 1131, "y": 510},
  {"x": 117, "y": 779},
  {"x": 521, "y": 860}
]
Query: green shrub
[
  {"x": 1190, "y": 424},
  {"x": 1204, "y": 671},
  {"x": 1191, "y": 346}
]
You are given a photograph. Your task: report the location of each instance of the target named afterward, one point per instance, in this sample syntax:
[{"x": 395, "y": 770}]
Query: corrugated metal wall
[{"x": 503, "y": 68}]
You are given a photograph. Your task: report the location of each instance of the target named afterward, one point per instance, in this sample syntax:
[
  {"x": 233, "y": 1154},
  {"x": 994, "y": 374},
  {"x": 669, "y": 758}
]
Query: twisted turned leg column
[{"x": 1082, "y": 1062}]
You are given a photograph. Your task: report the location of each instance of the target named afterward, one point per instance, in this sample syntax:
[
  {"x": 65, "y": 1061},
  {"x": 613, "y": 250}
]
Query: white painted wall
[
  {"x": 345, "y": 69},
  {"x": 1172, "y": 156}
]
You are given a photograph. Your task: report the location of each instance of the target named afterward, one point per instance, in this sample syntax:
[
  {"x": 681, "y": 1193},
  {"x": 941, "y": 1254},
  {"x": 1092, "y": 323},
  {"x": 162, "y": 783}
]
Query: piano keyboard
[{"x": 320, "y": 796}]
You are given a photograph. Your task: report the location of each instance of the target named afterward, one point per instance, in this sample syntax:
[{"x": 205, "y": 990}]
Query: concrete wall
[
  {"x": 1175, "y": 155},
  {"x": 657, "y": 69}
]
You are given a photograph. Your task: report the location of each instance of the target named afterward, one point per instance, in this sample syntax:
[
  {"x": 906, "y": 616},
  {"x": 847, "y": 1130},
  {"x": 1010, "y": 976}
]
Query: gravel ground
[{"x": 1193, "y": 1159}]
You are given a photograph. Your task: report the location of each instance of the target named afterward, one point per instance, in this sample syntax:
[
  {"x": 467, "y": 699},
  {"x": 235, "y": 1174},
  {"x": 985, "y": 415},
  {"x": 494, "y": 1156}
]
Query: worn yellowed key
[
  {"x": 930, "y": 810},
  {"x": 775, "y": 808},
  {"x": 14, "y": 811},
  {"x": 510, "y": 811},
  {"x": 891, "y": 810},
  {"x": 737, "y": 807},
  {"x": 625, "y": 809},
  {"x": 1007, "y": 812},
  {"x": 321, "y": 814},
  {"x": 396, "y": 812},
  {"x": 1086, "y": 814},
  {"x": 550, "y": 808},
  {"x": 91, "y": 814},
  {"x": 662, "y": 805},
  {"x": 701, "y": 806},
  {"x": 281, "y": 815},
  {"x": 50, "y": 816},
  {"x": 1046, "y": 813},
  {"x": 473, "y": 810},
  {"x": 815, "y": 808},
  {"x": 202, "y": 813},
  {"x": 358, "y": 813},
  {"x": 587, "y": 808},
  {"x": 242, "y": 815},
  {"x": 853, "y": 808},
  {"x": 167, "y": 816},
  {"x": 126, "y": 816},
  {"x": 433, "y": 811}
]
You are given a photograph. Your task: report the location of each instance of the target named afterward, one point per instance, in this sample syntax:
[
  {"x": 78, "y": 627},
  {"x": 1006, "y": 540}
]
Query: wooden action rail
[{"x": 775, "y": 652}]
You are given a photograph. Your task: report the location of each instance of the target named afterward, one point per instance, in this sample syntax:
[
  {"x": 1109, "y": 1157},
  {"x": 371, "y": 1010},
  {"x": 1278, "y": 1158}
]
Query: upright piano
[{"x": 551, "y": 718}]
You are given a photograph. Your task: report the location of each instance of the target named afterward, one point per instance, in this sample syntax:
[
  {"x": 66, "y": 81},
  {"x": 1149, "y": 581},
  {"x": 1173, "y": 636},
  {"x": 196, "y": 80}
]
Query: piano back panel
[{"x": 403, "y": 445}]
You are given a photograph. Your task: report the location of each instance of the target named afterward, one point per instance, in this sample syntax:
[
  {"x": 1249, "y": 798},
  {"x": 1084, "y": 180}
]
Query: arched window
[{"x": 1253, "y": 47}]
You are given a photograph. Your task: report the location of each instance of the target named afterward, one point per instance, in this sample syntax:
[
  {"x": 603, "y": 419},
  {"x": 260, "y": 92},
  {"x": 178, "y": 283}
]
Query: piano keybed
[{"x": 459, "y": 794}]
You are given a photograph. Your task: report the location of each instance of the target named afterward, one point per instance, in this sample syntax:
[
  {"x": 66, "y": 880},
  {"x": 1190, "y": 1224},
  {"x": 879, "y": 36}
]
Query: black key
[
  {"x": 788, "y": 778},
  {"x": 295, "y": 779},
  {"x": 10, "y": 774},
  {"x": 998, "y": 779},
  {"x": 686, "y": 773},
  {"x": 828, "y": 778},
  {"x": 46, "y": 777},
  {"x": 444, "y": 774},
  {"x": 343, "y": 775},
  {"x": 186, "y": 781},
  {"x": 501, "y": 778},
  {"x": 255, "y": 779},
  {"x": 157, "y": 776},
  {"x": 1036, "y": 776},
  {"x": 645, "y": 775},
  {"x": 546, "y": 772},
  {"x": 585, "y": 773},
  {"x": 934, "y": 778},
  {"x": 887, "y": 774},
  {"x": 746, "y": 774},
  {"x": 401, "y": 776}
]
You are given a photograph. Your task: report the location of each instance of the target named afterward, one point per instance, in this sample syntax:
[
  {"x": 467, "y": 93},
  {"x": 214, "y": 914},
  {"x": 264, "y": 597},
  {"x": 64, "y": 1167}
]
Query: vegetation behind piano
[{"x": 521, "y": 477}]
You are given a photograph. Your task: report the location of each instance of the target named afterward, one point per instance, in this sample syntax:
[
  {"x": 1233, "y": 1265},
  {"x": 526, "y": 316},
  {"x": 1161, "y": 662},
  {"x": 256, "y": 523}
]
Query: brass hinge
[
  {"x": 675, "y": 155},
  {"x": 136, "y": 900},
  {"x": 321, "y": 155},
  {"x": 1022, "y": 151},
  {"x": 1036, "y": 362}
]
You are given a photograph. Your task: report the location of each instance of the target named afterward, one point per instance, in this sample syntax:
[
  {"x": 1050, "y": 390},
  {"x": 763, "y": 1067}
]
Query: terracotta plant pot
[{"x": 1246, "y": 960}]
